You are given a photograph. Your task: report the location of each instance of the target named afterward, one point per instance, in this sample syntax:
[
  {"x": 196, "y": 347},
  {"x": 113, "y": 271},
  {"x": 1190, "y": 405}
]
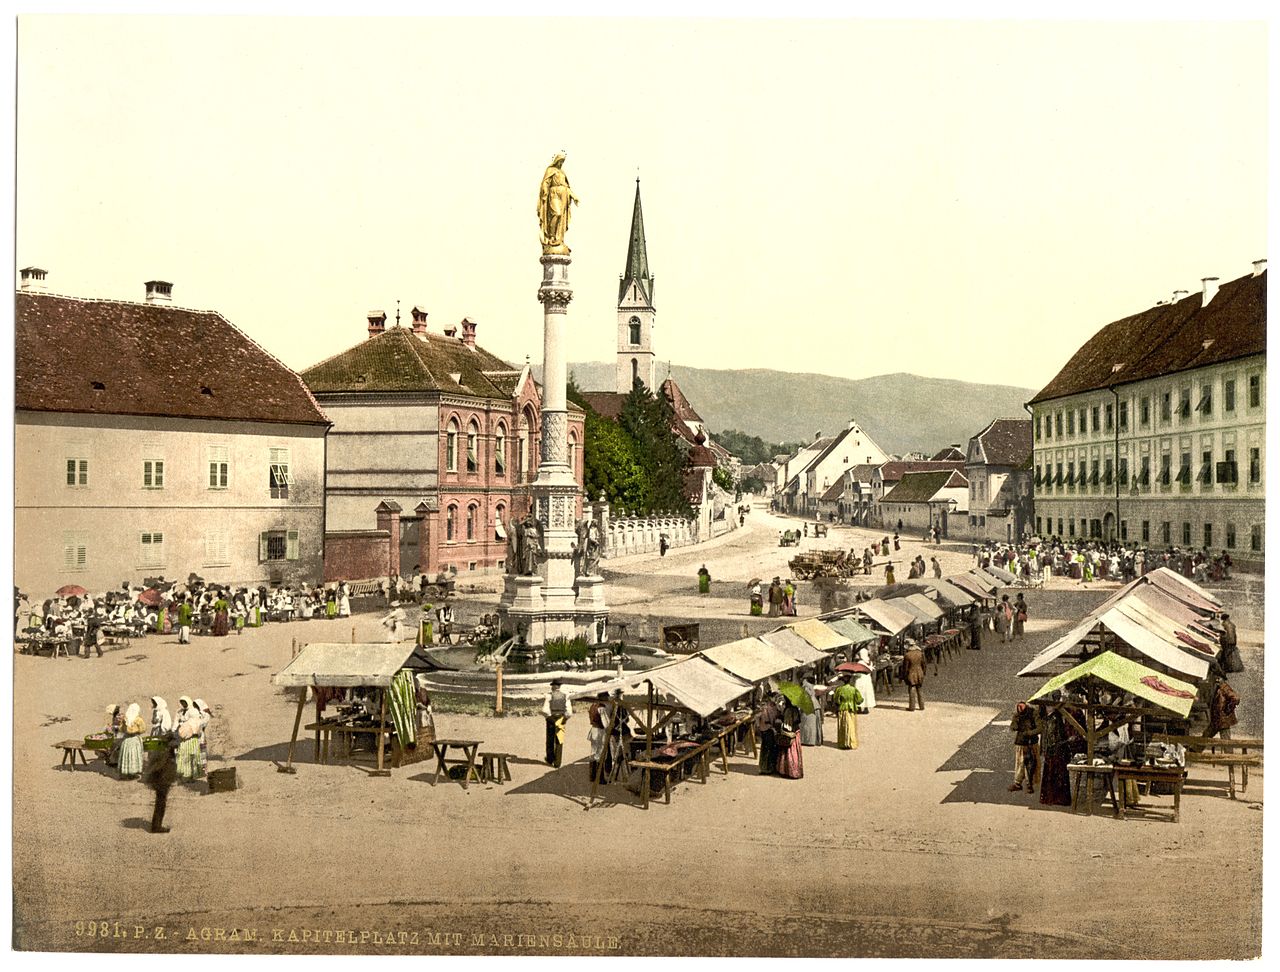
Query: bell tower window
[{"x": 635, "y": 330}]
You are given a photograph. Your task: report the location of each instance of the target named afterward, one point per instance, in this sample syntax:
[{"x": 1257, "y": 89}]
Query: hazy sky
[{"x": 964, "y": 200}]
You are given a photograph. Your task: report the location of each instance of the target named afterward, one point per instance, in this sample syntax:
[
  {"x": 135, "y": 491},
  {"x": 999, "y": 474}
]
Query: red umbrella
[
  {"x": 150, "y": 597},
  {"x": 71, "y": 590},
  {"x": 855, "y": 668}
]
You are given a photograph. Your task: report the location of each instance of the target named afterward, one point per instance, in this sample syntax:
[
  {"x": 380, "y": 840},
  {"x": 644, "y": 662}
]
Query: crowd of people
[{"x": 1093, "y": 560}]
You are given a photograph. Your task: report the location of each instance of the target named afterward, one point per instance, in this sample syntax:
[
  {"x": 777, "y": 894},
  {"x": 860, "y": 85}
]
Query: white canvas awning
[
  {"x": 820, "y": 634},
  {"x": 923, "y": 604},
  {"x": 1196, "y": 646},
  {"x": 1171, "y": 607},
  {"x": 1184, "y": 590},
  {"x": 340, "y": 665},
  {"x": 954, "y": 594},
  {"x": 979, "y": 587},
  {"x": 790, "y": 643},
  {"x": 891, "y": 619},
  {"x": 692, "y": 683},
  {"x": 1058, "y": 648},
  {"x": 1135, "y": 632},
  {"x": 749, "y": 658}
]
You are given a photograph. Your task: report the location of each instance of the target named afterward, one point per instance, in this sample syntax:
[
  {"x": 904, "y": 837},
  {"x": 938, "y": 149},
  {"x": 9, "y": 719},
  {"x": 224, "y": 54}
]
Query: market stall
[{"x": 787, "y": 641}]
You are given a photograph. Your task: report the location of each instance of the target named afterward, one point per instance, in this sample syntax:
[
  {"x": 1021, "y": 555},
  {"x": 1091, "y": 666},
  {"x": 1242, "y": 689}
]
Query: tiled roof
[
  {"x": 950, "y": 453},
  {"x": 891, "y": 472},
  {"x": 605, "y": 404},
  {"x": 861, "y": 473},
  {"x": 921, "y": 487},
  {"x": 399, "y": 360},
  {"x": 1006, "y": 441},
  {"x": 150, "y": 359},
  {"x": 1169, "y": 338},
  {"x": 679, "y": 404},
  {"x": 834, "y": 493}
]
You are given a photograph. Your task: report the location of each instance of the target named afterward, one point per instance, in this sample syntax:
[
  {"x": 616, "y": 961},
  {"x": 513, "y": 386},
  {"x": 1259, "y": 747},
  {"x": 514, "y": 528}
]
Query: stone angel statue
[
  {"x": 515, "y": 546},
  {"x": 534, "y": 545}
]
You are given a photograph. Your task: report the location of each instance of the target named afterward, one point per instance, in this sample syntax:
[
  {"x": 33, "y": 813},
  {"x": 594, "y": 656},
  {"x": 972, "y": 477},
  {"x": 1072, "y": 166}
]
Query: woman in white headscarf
[
  {"x": 205, "y": 717},
  {"x": 131, "y": 745},
  {"x": 161, "y": 720},
  {"x": 188, "y": 727}
]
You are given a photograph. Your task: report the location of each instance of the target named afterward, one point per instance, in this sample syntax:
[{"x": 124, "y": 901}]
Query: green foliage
[
  {"x": 752, "y": 484},
  {"x": 751, "y": 449},
  {"x": 724, "y": 479},
  {"x": 567, "y": 649},
  {"x": 647, "y": 419},
  {"x": 612, "y": 466}
]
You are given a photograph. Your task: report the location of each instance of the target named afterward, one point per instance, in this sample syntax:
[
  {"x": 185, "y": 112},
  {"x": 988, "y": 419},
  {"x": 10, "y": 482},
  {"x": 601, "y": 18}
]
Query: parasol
[
  {"x": 71, "y": 590},
  {"x": 754, "y": 581},
  {"x": 150, "y": 597},
  {"x": 855, "y": 668},
  {"x": 797, "y": 696}
]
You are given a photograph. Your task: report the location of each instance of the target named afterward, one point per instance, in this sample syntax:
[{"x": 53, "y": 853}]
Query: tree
[
  {"x": 648, "y": 421},
  {"x": 724, "y": 479}
]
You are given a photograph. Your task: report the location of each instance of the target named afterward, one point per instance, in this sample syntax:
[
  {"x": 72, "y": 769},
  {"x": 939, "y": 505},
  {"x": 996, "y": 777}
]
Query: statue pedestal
[{"x": 591, "y": 612}]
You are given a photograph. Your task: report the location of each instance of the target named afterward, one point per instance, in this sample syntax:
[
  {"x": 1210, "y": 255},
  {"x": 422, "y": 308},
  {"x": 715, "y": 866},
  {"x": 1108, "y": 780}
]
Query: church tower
[{"x": 635, "y": 311}]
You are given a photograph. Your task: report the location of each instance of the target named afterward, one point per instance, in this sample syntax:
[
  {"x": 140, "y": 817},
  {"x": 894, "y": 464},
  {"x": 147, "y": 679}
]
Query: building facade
[
  {"x": 851, "y": 448},
  {"x": 135, "y": 459},
  {"x": 921, "y": 501},
  {"x": 435, "y": 442},
  {"x": 998, "y": 467},
  {"x": 1155, "y": 431},
  {"x": 636, "y": 313}
]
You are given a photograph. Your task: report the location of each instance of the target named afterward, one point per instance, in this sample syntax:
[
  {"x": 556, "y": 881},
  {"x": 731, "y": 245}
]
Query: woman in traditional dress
[
  {"x": 205, "y": 717},
  {"x": 161, "y": 720},
  {"x": 888, "y": 574},
  {"x": 188, "y": 724},
  {"x": 790, "y": 756},
  {"x": 115, "y": 726},
  {"x": 1055, "y": 779},
  {"x": 811, "y": 722},
  {"x": 344, "y": 600},
  {"x": 221, "y": 616},
  {"x": 847, "y": 699},
  {"x": 131, "y": 744},
  {"x": 865, "y": 683}
]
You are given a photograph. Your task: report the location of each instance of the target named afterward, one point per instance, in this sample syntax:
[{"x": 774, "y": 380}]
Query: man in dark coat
[
  {"x": 913, "y": 675},
  {"x": 161, "y": 775},
  {"x": 1026, "y": 748},
  {"x": 767, "y": 719},
  {"x": 1222, "y": 712}
]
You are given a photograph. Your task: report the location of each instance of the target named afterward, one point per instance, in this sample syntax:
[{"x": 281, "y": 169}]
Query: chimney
[
  {"x": 1210, "y": 289},
  {"x": 1259, "y": 268},
  {"x": 159, "y": 291},
  {"x": 33, "y": 278},
  {"x": 1178, "y": 295},
  {"x": 419, "y": 321},
  {"x": 468, "y": 333},
  {"x": 377, "y": 322},
  {"x": 450, "y": 332}
]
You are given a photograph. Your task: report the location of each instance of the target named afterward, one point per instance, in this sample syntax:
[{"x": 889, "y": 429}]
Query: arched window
[
  {"x": 635, "y": 330},
  {"x": 500, "y": 522},
  {"x": 500, "y": 450},
  {"x": 473, "y": 447},
  {"x": 471, "y": 522},
  {"x": 635, "y": 370},
  {"x": 451, "y": 447},
  {"x": 451, "y": 523},
  {"x": 573, "y": 453}
]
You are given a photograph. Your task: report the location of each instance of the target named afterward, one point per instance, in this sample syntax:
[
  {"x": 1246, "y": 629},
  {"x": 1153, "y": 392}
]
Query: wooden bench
[
  {"x": 1244, "y": 759},
  {"x": 70, "y": 749},
  {"x": 494, "y": 768}
]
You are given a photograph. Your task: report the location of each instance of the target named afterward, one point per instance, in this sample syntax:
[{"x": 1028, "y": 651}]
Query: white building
[
  {"x": 998, "y": 467},
  {"x": 152, "y": 440},
  {"x": 1155, "y": 431},
  {"x": 923, "y": 500},
  {"x": 852, "y": 447}
]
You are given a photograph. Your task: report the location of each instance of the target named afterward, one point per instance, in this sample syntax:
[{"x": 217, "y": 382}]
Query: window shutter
[
  {"x": 68, "y": 553},
  {"x": 291, "y": 546},
  {"x": 146, "y": 474},
  {"x": 84, "y": 472},
  {"x": 262, "y": 548},
  {"x": 71, "y": 472}
]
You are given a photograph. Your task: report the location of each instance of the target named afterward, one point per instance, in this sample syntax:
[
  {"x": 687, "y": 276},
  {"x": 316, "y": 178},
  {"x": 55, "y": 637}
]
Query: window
[
  {"x": 1071, "y": 474},
  {"x": 573, "y": 456},
  {"x": 1058, "y": 479},
  {"x": 1108, "y": 473},
  {"x": 635, "y": 371},
  {"x": 1071, "y": 422},
  {"x": 153, "y": 474},
  {"x": 1110, "y": 416},
  {"x": 1165, "y": 534},
  {"x": 1096, "y": 424},
  {"x": 472, "y": 513},
  {"x": 219, "y": 467},
  {"x": 451, "y": 447},
  {"x": 1084, "y": 421},
  {"x": 279, "y": 477},
  {"x": 1039, "y": 524},
  {"x": 1255, "y": 465},
  {"x": 1227, "y": 470},
  {"x": 499, "y": 524},
  {"x": 634, "y": 328},
  {"x": 1071, "y": 528},
  {"x": 217, "y": 549},
  {"x": 1206, "y": 468},
  {"x": 1124, "y": 529},
  {"x": 1146, "y": 531},
  {"x": 1057, "y": 422},
  {"x": 1144, "y": 412},
  {"x": 1165, "y": 469},
  {"x": 1205, "y": 405},
  {"x": 473, "y": 447},
  {"x": 152, "y": 550},
  {"x": 1037, "y": 428},
  {"x": 1122, "y": 474},
  {"x": 77, "y": 472},
  {"x": 500, "y": 450},
  {"x": 75, "y": 551},
  {"x": 1184, "y": 469},
  {"x": 1255, "y": 537},
  {"x": 1145, "y": 478},
  {"x": 1093, "y": 473},
  {"x": 1059, "y": 533},
  {"x": 1229, "y": 395},
  {"x": 451, "y": 524},
  {"x": 1255, "y": 396},
  {"x": 1208, "y": 535},
  {"x": 278, "y": 545},
  {"x": 1166, "y": 407},
  {"x": 1184, "y": 404},
  {"x": 1231, "y": 536},
  {"x": 1186, "y": 534},
  {"x": 1124, "y": 416}
]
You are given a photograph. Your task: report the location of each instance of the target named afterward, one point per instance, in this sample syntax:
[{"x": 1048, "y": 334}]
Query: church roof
[
  {"x": 637, "y": 269},
  {"x": 605, "y": 404}
]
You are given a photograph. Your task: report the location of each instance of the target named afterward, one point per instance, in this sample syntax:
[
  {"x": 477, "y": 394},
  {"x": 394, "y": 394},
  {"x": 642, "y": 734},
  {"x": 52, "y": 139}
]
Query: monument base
[{"x": 591, "y": 612}]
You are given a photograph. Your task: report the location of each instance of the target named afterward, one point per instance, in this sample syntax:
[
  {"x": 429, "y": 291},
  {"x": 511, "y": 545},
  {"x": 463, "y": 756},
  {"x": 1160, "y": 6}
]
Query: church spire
[{"x": 637, "y": 270}]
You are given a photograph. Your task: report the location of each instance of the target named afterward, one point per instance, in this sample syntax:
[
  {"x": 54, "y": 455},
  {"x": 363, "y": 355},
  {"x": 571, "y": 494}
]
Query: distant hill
[{"x": 903, "y": 413}]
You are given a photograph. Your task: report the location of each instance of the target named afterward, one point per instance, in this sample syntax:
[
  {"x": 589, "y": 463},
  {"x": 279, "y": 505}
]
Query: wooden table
[
  {"x": 1196, "y": 747},
  {"x": 667, "y": 767},
  {"x": 1084, "y": 773},
  {"x": 1172, "y": 775},
  {"x": 468, "y": 747},
  {"x": 324, "y": 731},
  {"x": 70, "y": 749}
]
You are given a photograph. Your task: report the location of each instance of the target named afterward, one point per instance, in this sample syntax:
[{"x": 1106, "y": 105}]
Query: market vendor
[
  {"x": 115, "y": 727},
  {"x": 848, "y": 699},
  {"x": 556, "y": 710}
]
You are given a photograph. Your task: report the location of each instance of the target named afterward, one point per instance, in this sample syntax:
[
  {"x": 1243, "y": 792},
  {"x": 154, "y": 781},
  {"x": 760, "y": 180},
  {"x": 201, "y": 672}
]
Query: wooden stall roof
[
  {"x": 692, "y": 683},
  {"x": 894, "y": 620},
  {"x": 342, "y": 665},
  {"x": 790, "y": 643},
  {"x": 749, "y": 658},
  {"x": 999, "y": 573},
  {"x": 980, "y": 587},
  {"x": 1128, "y": 676},
  {"x": 856, "y": 633},
  {"x": 949, "y": 592},
  {"x": 922, "y": 603},
  {"x": 820, "y": 634},
  {"x": 989, "y": 574},
  {"x": 1172, "y": 608}
]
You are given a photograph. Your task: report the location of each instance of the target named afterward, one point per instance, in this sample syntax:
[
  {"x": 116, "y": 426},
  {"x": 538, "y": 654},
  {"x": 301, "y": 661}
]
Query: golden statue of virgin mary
[{"x": 554, "y": 199}]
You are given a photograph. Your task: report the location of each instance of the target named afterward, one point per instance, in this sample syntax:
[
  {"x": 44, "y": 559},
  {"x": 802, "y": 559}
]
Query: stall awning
[
  {"x": 340, "y": 665},
  {"x": 1058, "y": 648},
  {"x": 692, "y": 683},
  {"x": 790, "y": 643},
  {"x": 989, "y": 574},
  {"x": 1171, "y": 607},
  {"x": 923, "y": 604},
  {"x": 952, "y": 594},
  {"x": 1136, "y": 633},
  {"x": 856, "y": 633},
  {"x": 1000, "y": 574},
  {"x": 749, "y": 658},
  {"x": 891, "y": 619},
  {"x": 1184, "y": 590},
  {"x": 1128, "y": 676},
  {"x": 1179, "y": 635},
  {"x": 819, "y": 634},
  {"x": 981, "y": 588}
]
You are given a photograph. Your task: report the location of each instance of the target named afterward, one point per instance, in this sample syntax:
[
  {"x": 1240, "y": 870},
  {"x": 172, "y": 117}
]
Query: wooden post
[
  {"x": 608, "y": 738},
  {"x": 497, "y": 696},
  {"x": 353, "y": 634},
  {"x": 382, "y": 737},
  {"x": 317, "y": 757},
  {"x": 297, "y": 721}
]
